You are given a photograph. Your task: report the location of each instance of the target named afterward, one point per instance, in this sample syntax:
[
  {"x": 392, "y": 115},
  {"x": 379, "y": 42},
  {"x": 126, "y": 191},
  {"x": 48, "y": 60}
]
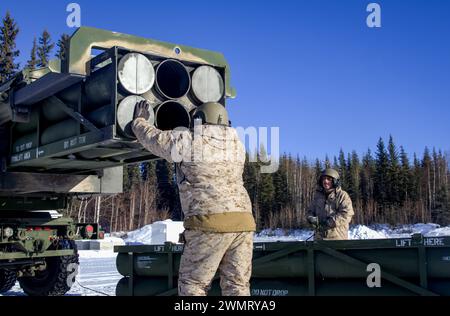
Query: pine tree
[
  {"x": 342, "y": 169},
  {"x": 405, "y": 177},
  {"x": 416, "y": 181},
  {"x": 394, "y": 182},
  {"x": 318, "y": 168},
  {"x": 168, "y": 198},
  {"x": 367, "y": 175},
  {"x": 44, "y": 49},
  {"x": 381, "y": 175},
  {"x": 354, "y": 180},
  {"x": 335, "y": 163},
  {"x": 8, "y": 51},
  {"x": 32, "y": 62},
  {"x": 327, "y": 162},
  {"x": 63, "y": 45},
  {"x": 427, "y": 182},
  {"x": 281, "y": 194}
]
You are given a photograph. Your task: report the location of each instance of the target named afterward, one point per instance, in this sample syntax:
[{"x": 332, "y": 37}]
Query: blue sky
[{"x": 312, "y": 68}]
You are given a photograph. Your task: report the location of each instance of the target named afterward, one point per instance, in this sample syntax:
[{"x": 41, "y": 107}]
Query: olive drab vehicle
[{"x": 65, "y": 133}]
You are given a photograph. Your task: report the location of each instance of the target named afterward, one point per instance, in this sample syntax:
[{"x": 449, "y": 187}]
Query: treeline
[
  {"x": 385, "y": 187},
  {"x": 41, "y": 50}
]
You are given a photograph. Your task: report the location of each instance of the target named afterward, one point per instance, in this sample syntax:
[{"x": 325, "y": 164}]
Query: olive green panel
[
  {"x": 283, "y": 287},
  {"x": 87, "y": 38},
  {"x": 109, "y": 182},
  {"x": 30, "y": 203},
  {"x": 49, "y": 253}
]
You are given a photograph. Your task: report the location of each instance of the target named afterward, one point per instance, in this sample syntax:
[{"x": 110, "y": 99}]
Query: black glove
[
  {"x": 313, "y": 220},
  {"x": 142, "y": 110},
  {"x": 329, "y": 223}
]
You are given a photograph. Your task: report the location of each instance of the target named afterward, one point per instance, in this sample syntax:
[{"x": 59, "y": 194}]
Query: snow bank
[
  {"x": 95, "y": 254},
  {"x": 364, "y": 232},
  {"x": 269, "y": 235},
  {"x": 378, "y": 231},
  {"x": 156, "y": 234},
  {"x": 140, "y": 236},
  {"x": 160, "y": 232}
]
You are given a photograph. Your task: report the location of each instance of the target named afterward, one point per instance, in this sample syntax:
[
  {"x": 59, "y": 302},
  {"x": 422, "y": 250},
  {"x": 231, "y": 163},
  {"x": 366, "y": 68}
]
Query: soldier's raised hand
[{"x": 142, "y": 110}]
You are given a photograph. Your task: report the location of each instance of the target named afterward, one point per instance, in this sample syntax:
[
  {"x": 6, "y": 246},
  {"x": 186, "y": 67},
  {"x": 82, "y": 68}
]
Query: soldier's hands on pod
[{"x": 142, "y": 110}]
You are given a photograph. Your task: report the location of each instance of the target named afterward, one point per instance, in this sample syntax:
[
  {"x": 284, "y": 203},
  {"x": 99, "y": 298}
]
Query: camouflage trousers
[{"x": 205, "y": 253}]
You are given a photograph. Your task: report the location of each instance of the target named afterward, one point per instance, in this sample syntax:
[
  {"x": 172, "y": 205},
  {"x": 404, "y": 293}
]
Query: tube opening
[
  {"x": 172, "y": 79},
  {"x": 171, "y": 115}
]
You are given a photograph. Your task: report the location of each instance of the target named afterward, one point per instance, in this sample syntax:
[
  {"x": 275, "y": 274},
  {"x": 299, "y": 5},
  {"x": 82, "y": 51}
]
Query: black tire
[
  {"x": 54, "y": 280},
  {"x": 7, "y": 280}
]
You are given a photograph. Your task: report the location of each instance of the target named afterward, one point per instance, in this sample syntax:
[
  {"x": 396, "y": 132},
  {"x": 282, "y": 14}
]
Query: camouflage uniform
[
  {"x": 205, "y": 252},
  {"x": 338, "y": 205},
  {"x": 218, "y": 215}
]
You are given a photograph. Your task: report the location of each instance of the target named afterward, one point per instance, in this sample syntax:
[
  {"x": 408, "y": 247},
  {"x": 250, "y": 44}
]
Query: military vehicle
[
  {"x": 65, "y": 133},
  {"x": 405, "y": 266}
]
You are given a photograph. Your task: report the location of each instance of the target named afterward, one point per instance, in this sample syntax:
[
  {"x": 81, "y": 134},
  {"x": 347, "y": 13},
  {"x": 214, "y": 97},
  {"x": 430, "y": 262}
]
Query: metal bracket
[{"x": 75, "y": 115}]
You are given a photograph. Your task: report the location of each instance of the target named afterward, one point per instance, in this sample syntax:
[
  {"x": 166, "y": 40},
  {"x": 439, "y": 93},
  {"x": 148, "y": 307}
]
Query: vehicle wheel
[
  {"x": 56, "y": 279},
  {"x": 7, "y": 280}
]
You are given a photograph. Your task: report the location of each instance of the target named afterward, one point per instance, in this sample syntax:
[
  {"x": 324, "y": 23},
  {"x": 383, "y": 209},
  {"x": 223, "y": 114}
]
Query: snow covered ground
[
  {"x": 379, "y": 231},
  {"x": 98, "y": 275}
]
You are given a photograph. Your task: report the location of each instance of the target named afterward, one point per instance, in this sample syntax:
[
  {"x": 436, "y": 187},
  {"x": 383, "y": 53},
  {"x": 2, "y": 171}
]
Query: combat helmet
[
  {"x": 330, "y": 172},
  {"x": 212, "y": 113}
]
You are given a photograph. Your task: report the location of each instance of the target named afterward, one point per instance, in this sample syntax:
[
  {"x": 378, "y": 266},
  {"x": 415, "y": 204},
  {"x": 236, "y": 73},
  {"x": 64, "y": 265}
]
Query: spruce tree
[
  {"x": 427, "y": 179},
  {"x": 381, "y": 175},
  {"x": 335, "y": 163},
  {"x": 367, "y": 184},
  {"x": 63, "y": 45},
  {"x": 327, "y": 162},
  {"x": 394, "y": 181},
  {"x": 32, "y": 62},
  {"x": 354, "y": 179},
  {"x": 416, "y": 181},
  {"x": 342, "y": 169},
  {"x": 405, "y": 177},
  {"x": 44, "y": 49},
  {"x": 281, "y": 193},
  {"x": 8, "y": 51},
  {"x": 318, "y": 168}
]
